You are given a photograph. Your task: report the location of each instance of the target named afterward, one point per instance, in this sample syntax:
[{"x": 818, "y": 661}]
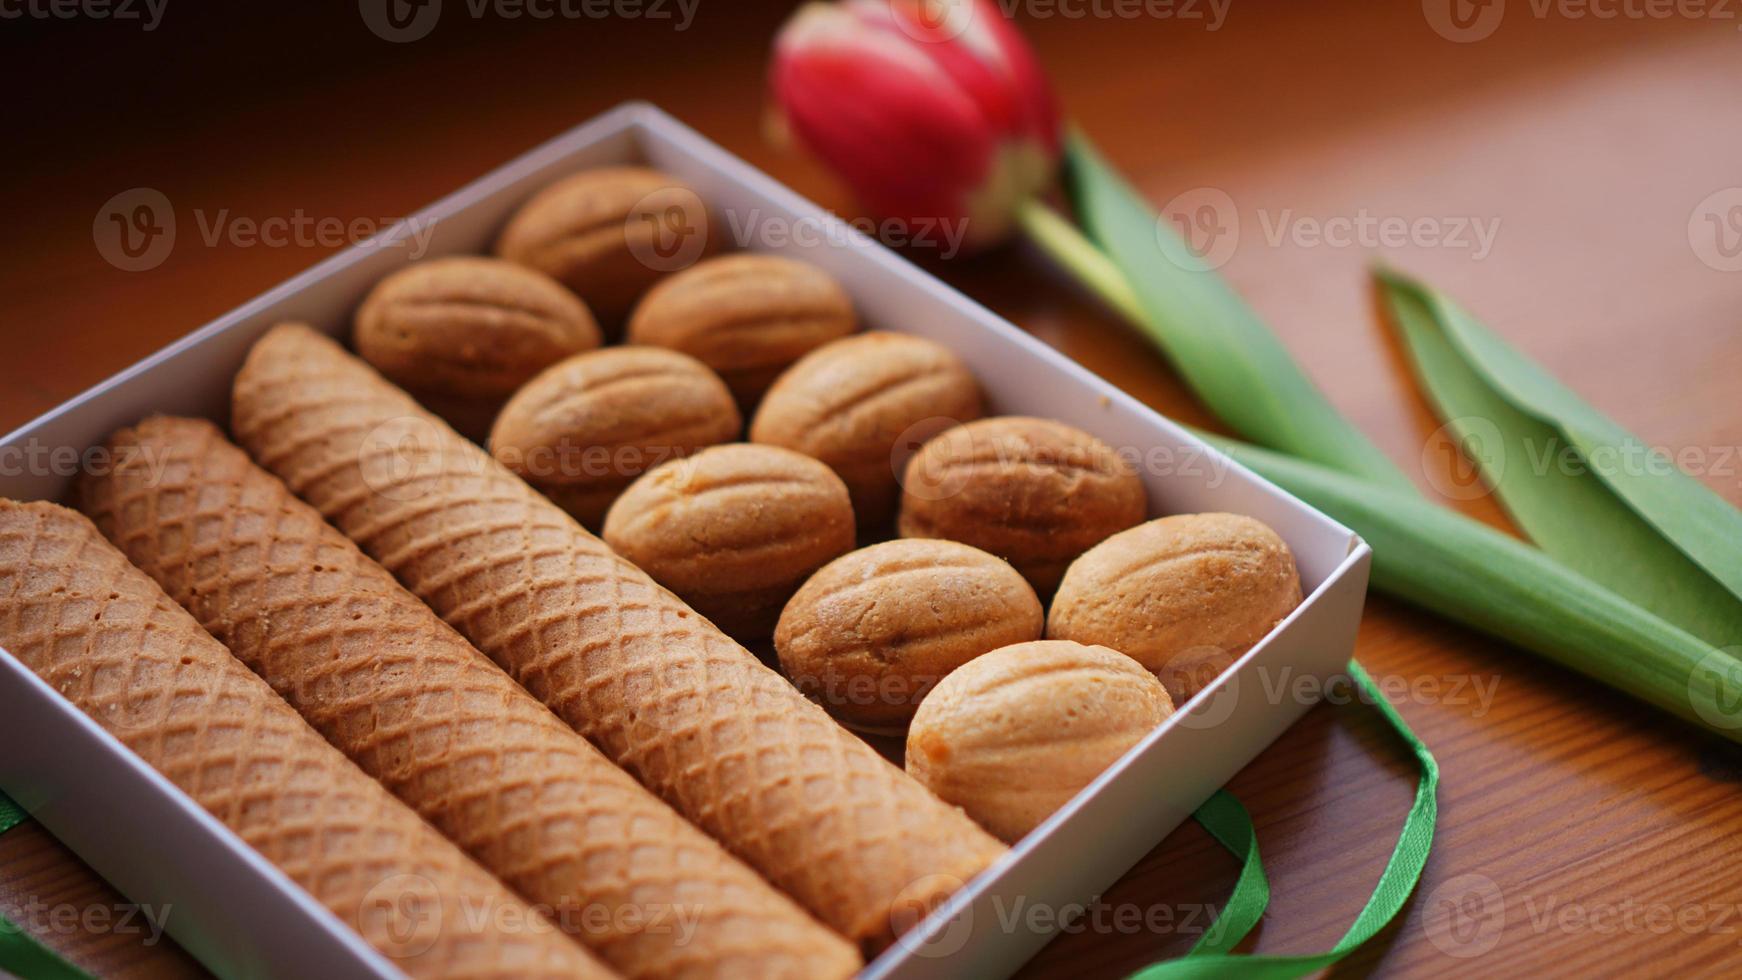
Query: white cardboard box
[{"x": 242, "y": 917}]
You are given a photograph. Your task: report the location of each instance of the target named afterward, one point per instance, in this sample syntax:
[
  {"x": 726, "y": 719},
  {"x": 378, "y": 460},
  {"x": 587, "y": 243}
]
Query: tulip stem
[{"x": 1070, "y": 248}]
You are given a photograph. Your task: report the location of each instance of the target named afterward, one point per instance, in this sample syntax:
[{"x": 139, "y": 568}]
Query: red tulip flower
[{"x": 931, "y": 110}]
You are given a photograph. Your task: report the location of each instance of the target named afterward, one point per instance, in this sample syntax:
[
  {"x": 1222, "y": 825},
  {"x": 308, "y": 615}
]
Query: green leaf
[
  {"x": 1692, "y": 519},
  {"x": 1226, "y": 354},
  {"x": 1467, "y": 571},
  {"x": 1548, "y": 489}
]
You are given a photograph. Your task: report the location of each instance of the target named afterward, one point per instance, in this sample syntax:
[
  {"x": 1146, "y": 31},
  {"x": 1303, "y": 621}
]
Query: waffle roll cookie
[
  {"x": 690, "y": 713},
  {"x": 104, "y": 635},
  {"x": 412, "y": 703}
]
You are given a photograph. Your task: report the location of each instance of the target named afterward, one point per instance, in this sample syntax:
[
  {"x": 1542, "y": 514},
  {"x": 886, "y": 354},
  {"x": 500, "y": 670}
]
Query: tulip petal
[
  {"x": 925, "y": 118},
  {"x": 884, "y": 116}
]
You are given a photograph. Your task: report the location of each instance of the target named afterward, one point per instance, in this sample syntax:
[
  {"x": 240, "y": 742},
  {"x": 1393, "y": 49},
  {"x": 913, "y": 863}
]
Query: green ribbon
[
  {"x": 20, "y": 954},
  {"x": 11, "y": 814},
  {"x": 1225, "y": 817},
  {"x": 1228, "y": 822}
]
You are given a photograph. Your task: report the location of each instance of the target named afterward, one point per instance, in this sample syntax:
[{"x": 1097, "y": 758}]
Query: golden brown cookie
[
  {"x": 462, "y": 333},
  {"x": 734, "y": 530},
  {"x": 586, "y": 428},
  {"x": 1012, "y": 735},
  {"x": 863, "y": 405},
  {"x": 609, "y": 234},
  {"x": 1184, "y": 596},
  {"x": 746, "y": 316},
  {"x": 1034, "y": 492},
  {"x": 873, "y": 631}
]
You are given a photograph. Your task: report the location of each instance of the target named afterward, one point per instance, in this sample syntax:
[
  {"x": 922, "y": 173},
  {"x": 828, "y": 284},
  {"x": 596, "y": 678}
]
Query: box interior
[{"x": 1020, "y": 375}]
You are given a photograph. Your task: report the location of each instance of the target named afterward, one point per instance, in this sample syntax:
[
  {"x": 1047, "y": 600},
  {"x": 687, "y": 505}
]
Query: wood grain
[{"x": 1589, "y": 141}]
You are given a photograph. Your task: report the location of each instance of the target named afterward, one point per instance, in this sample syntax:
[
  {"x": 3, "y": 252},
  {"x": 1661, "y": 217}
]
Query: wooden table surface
[{"x": 1580, "y": 832}]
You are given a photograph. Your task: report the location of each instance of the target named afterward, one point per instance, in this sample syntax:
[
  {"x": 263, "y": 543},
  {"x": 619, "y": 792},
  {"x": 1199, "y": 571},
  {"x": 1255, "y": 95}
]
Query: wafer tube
[
  {"x": 412, "y": 703},
  {"x": 105, "y": 636},
  {"x": 690, "y": 713}
]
